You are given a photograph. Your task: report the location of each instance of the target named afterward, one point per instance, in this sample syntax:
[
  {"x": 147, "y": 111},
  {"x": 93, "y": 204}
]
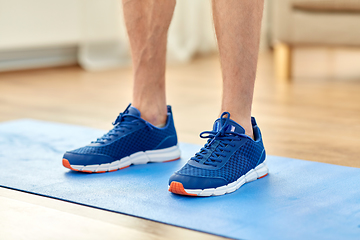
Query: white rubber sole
[
  {"x": 260, "y": 171},
  {"x": 162, "y": 155}
]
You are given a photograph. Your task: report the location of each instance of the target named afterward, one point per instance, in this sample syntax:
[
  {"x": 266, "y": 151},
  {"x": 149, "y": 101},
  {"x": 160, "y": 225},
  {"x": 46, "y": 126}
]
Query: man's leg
[
  {"x": 147, "y": 24},
  {"x": 230, "y": 158},
  {"x": 237, "y": 25},
  {"x": 133, "y": 140}
]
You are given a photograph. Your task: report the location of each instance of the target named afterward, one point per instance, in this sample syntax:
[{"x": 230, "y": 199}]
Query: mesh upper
[
  {"x": 141, "y": 140},
  {"x": 242, "y": 161}
]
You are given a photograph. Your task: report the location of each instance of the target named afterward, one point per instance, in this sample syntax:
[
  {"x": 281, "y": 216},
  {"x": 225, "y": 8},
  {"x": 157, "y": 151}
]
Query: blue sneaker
[
  {"x": 227, "y": 161},
  {"x": 132, "y": 141}
]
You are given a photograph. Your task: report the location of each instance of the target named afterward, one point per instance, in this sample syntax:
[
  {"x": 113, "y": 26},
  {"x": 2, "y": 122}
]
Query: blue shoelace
[
  {"x": 122, "y": 122},
  {"x": 224, "y": 137}
]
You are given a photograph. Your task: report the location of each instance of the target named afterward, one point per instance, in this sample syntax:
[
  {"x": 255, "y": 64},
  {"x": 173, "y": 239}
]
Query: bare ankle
[
  {"x": 155, "y": 115},
  {"x": 248, "y": 130}
]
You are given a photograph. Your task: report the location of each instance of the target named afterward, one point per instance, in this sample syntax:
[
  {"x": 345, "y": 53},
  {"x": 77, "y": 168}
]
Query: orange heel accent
[
  {"x": 66, "y": 164},
  {"x": 124, "y": 167},
  {"x": 263, "y": 176},
  {"x": 178, "y": 188},
  {"x": 172, "y": 160}
]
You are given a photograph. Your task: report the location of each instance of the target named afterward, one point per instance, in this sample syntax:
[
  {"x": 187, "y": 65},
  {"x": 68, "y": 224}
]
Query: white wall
[{"x": 38, "y": 23}]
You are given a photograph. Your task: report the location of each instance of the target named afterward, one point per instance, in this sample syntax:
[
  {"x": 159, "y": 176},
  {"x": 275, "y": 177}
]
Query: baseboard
[{"x": 21, "y": 59}]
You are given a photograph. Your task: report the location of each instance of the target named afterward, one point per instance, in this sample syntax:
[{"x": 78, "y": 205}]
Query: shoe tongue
[
  {"x": 230, "y": 127},
  {"x": 133, "y": 111}
]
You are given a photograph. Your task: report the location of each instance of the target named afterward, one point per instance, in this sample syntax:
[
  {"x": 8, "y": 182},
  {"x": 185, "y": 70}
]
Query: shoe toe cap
[
  {"x": 87, "y": 159},
  {"x": 197, "y": 182}
]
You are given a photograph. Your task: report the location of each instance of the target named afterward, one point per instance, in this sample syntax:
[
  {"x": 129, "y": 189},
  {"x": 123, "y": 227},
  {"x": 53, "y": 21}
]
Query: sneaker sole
[
  {"x": 142, "y": 157},
  {"x": 258, "y": 172}
]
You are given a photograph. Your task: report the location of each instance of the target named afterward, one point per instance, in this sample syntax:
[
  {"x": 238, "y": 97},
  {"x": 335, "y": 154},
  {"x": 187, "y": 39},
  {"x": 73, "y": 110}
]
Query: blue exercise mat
[{"x": 298, "y": 200}]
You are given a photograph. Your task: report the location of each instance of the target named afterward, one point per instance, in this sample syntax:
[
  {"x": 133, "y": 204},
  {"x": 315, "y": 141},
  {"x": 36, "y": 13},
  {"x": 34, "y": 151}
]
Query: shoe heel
[{"x": 262, "y": 170}]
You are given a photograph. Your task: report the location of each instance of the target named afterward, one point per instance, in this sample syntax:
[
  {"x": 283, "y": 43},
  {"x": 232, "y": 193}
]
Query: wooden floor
[{"x": 315, "y": 117}]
